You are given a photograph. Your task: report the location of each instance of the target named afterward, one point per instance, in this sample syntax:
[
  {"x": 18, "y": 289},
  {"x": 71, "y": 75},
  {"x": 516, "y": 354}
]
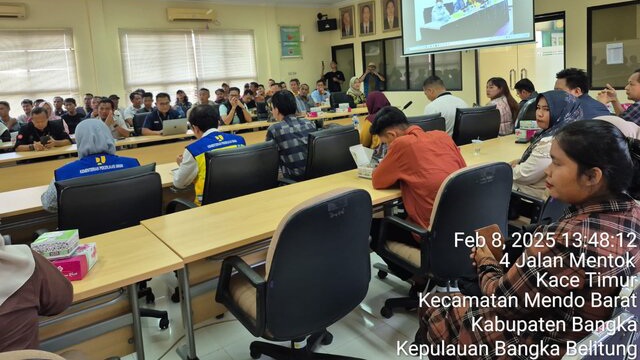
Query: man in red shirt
[{"x": 419, "y": 161}]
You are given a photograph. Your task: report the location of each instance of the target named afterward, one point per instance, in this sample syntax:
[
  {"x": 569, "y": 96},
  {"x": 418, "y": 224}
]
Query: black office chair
[
  {"x": 138, "y": 121},
  {"x": 469, "y": 199},
  {"x": 429, "y": 122},
  {"x": 528, "y": 112},
  {"x": 328, "y": 151},
  {"x": 538, "y": 211},
  {"x": 317, "y": 271},
  {"x": 236, "y": 172},
  {"x": 262, "y": 111},
  {"x": 107, "y": 202},
  {"x": 476, "y": 123},
  {"x": 337, "y": 98}
]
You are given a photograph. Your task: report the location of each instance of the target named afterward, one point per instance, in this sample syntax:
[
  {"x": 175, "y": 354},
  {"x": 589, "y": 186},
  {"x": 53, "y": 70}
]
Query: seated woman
[
  {"x": 52, "y": 115},
  {"x": 596, "y": 170},
  {"x": 498, "y": 91},
  {"x": 554, "y": 110},
  {"x": 375, "y": 101},
  {"x": 354, "y": 91},
  {"x": 96, "y": 155},
  {"x": 31, "y": 287}
]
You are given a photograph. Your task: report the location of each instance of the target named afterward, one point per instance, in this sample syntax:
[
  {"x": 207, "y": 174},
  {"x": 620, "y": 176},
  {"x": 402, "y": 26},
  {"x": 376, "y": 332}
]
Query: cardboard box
[
  {"x": 56, "y": 244},
  {"x": 77, "y": 266}
]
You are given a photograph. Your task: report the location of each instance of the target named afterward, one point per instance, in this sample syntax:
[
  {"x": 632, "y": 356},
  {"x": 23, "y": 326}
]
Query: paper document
[{"x": 615, "y": 54}]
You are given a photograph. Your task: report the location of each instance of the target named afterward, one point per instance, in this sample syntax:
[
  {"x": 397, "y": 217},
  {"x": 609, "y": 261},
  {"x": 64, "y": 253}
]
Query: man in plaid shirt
[{"x": 609, "y": 95}]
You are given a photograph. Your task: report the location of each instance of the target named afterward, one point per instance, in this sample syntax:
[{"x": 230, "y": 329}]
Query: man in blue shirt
[
  {"x": 320, "y": 95},
  {"x": 153, "y": 122},
  {"x": 575, "y": 82}
]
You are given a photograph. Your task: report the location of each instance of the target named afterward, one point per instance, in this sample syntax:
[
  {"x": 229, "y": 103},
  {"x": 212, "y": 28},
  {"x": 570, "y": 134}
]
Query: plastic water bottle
[{"x": 356, "y": 122}]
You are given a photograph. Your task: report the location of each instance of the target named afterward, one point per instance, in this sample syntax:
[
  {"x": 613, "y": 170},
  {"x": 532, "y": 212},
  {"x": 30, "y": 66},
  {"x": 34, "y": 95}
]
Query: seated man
[
  {"x": 153, "y": 122},
  {"x": 234, "y": 111},
  {"x": 72, "y": 117},
  {"x": 147, "y": 103},
  {"x": 417, "y": 160},
  {"x": 96, "y": 155},
  {"x": 94, "y": 103},
  {"x": 609, "y": 95},
  {"x": 526, "y": 91},
  {"x": 203, "y": 99},
  {"x": 5, "y": 119},
  {"x": 576, "y": 82},
  {"x": 117, "y": 126},
  {"x": 41, "y": 134},
  {"x": 290, "y": 135},
  {"x": 219, "y": 96},
  {"x": 320, "y": 95},
  {"x": 248, "y": 99},
  {"x": 192, "y": 161},
  {"x": 57, "y": 106},
  {"x": 131, "y": 111},
  {"x": 23, "y": 119},
  {"x": 442, "y": 101},
  {"x": 439, "y": 13},
  {"x": 304, "y": 102}
]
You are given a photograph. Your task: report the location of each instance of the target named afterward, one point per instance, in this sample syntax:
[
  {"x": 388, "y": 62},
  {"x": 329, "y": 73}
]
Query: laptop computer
[{"x": 174, "y": 127}]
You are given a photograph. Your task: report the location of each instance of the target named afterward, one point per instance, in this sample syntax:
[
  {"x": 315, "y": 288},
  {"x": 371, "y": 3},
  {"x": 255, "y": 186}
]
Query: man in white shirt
[
  {"x": 105, "y": 113},
  {"x": 441, "y": 101},
  {"x": 132, "y": 110}
]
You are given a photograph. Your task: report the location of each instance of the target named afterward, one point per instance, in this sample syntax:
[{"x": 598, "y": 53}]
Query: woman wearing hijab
[
  {"x": 96, "y": 155},
  {"x": 354, "y": 91},
  {"x": 31, "y": 287},
  {"x": 375, "y": 101},
  {"x": 554, "y": 110}
]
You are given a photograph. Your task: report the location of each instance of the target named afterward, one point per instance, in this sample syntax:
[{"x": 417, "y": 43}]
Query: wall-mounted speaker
[{"x": 327, "y": 25}]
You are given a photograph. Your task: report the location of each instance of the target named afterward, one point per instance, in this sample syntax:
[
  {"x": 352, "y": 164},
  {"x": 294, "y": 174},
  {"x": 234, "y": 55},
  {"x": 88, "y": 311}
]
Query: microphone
[{"x": 407, "y": 105}]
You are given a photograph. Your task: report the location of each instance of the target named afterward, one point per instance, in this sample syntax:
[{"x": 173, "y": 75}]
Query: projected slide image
[{"x": 444, "y": 25}]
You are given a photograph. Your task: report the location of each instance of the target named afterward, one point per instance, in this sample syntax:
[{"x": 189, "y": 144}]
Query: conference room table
[
  {"x": 119, "y": 265},
  {"x": 189, "y": 233}
]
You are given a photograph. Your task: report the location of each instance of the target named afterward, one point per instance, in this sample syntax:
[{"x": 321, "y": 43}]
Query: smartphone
[
  {"x": 45, "y": 139},
  {"x": 489, "y": 233}
]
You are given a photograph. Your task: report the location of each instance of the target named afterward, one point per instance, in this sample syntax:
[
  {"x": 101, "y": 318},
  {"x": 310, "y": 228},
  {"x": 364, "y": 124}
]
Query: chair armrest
[
  {"x": 176, "y": 205},
  {"x": 223, "y": 295},
  {"x": 528, "y": 198},
  {"x": 404, "y": 225},
  {"x": 286, "y": 181}
]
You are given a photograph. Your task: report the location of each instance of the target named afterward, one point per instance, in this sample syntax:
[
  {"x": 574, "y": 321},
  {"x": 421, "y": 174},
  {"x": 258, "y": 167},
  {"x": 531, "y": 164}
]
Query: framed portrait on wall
[
  {"x": 366, "y": 20},
  {"x": 347, "y": 21},
  {"x": 390, "y": 14}
]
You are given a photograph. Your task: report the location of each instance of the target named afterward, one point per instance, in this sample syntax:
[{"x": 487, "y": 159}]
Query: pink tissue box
[
  {"x": 313, "y": 114},
  {"x": 525, "y": 134},
  {"x": 78, "y": 265}
]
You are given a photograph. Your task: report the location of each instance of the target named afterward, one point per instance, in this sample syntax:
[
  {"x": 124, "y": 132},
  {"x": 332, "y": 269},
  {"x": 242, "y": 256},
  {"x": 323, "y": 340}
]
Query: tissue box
[
  {"x": 77, "y": 266},
  {"x": 525, "y": 134},
  {"x": 529, "y": 124},
  {"x": 365, "y": 171},
  {"x": 56, "y": 244}
]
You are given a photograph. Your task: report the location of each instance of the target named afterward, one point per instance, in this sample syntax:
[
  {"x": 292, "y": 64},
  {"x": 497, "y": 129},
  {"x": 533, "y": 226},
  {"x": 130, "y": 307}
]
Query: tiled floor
[{"x": 364, "y": 333}]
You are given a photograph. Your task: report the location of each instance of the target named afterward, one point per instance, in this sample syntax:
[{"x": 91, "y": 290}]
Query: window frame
[{"x": 383, "y": 65}]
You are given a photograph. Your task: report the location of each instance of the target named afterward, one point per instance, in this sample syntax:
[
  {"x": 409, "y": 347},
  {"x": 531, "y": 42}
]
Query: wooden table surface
[
  {"x": 328, "y": 116},
  {"x": 124, "y": 258},
  {"x": 190, "y": 234}
]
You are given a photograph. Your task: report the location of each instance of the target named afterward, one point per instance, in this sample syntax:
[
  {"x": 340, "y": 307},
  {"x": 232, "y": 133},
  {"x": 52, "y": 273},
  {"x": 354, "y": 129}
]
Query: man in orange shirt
[{"x": 418, "y": 160}]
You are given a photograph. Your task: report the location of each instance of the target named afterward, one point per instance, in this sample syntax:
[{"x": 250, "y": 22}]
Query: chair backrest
[
  {"x": 528, "y": 112},
  {"x": 138, "y": 121},
  {"x": 328, "y": 151},
  {"x": 337, "y": 98},
  {"x": 469, "y": 199},
  {"x": 429, "y": 122},
  {"x": 240, "y": 171},
  {"x": 261, "y": 110},
  {"x": 318, "y": 267},
  {"x": 107, "y": 202},
  {"x": 477, "y": 122},
  {"x": 552, "y": 210}
]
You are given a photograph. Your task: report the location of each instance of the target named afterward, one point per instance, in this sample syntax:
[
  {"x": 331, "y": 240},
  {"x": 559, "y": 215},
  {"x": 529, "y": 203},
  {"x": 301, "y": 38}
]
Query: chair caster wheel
[
  {"x": 175, "y": 297},
  {"x": 382, "y": 274},
  {"x": 164, "y": 324},
  {"x": 150, "y": 298},
  {"x": 255, "y": 354},
  {"x": 386, "y": 312},
  {"x": 327, "y": 339},
  {"x": 220, "y": 316}
]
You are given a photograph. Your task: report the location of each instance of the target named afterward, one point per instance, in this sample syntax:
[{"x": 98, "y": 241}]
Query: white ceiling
[{"x": 305, "y": 3}]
